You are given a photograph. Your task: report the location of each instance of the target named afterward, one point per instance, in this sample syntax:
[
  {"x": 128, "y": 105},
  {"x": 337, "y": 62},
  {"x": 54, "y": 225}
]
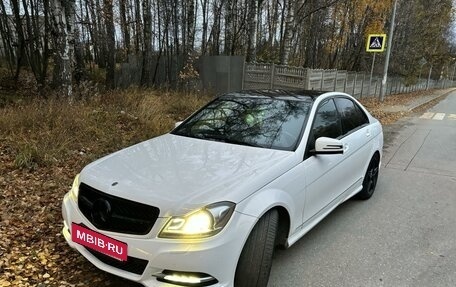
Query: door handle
[
  {"x": 368, "y": 133},
  {"x": 346, "y": 147}
]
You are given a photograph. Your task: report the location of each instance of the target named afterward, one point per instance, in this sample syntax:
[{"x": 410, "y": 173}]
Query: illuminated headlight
[
  {"x": 201, "y": 223},
  {"x": 75, "y": 187}
]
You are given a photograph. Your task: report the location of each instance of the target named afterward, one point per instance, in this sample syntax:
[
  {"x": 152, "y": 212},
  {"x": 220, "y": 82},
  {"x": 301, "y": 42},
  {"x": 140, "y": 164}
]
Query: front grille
[
  {"x": 133, "y": 264},
  {"x": 111, "y": 213}
]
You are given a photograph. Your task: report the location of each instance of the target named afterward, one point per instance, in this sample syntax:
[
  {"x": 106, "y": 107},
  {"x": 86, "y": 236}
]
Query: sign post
[
  {"x": 375, "y": 44},
  {"x": 388, "y": 53}
]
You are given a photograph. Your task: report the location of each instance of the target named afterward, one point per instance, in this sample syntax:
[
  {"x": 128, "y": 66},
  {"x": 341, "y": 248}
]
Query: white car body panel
[
  {"x": 172, "y": 172},
  {"x": 180, "y": 174}
]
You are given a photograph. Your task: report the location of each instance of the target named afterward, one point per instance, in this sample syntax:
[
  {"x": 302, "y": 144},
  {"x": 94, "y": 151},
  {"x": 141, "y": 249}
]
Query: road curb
[{"x": 430, "y": 100}]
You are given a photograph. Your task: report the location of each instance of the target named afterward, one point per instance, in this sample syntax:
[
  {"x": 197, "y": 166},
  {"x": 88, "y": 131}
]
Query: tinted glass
[
  {"x": 352, "y": 116},
  {"x": 256, "y": 121},
  {"x": 326, "y": 122}
]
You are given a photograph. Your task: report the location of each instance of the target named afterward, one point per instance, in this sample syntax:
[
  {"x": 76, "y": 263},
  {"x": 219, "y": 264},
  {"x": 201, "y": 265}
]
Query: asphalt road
[{"x": 405, "y": 235}]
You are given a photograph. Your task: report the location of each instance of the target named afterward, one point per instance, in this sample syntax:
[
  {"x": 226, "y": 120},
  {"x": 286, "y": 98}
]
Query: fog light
[
  {"x": 186, "y": 278},
  {"x": 182, "y": 279}
]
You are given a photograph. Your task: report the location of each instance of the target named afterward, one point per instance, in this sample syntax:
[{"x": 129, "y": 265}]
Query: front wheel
[
  {"x": 370, "y": 179},
  {"x": 255, "y": 262}
]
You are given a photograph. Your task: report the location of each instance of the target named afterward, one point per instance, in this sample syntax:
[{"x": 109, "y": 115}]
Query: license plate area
[{"x": 99, "y": 242}]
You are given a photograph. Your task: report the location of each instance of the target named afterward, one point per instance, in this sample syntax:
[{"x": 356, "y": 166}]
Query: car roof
[{"x": 279, "y": 93}]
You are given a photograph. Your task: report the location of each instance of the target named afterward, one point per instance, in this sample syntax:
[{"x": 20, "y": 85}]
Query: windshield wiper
[
  {"x": 233, "y": 141},
  {"x": 222, "y": 138},
  {"x": 215, "y": 136}
]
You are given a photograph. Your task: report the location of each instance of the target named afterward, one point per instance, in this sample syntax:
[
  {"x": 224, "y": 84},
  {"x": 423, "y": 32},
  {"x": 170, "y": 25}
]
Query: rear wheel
[
  {"x": 255, "y": 262},
  {"x": 370, "y": 179}
]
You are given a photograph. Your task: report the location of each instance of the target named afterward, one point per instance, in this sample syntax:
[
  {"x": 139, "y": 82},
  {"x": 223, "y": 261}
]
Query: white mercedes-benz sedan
[{"x": 207, "y": 203}]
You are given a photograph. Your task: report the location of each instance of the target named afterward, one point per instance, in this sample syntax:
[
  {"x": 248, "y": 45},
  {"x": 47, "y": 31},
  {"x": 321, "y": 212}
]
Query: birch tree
[
  {"x": 252, "y": 39},
  {"x": 285, "y": 46},
  {"x": 146, "y": 55},
  {"x": 110, "y": 51},
  {"x": 63, "y": 31}
]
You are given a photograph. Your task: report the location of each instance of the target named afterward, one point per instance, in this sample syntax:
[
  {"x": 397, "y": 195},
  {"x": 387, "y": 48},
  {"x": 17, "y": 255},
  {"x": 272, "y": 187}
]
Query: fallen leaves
[
  {"x": 26, "y": 229},
  {"x": 32, "y": 249},
  {"x": 393, "y": 107}
]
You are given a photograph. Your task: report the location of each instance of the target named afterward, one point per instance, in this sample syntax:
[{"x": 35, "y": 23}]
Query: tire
[
  {"x": 370, "y": 179},
  {"x": 255, "y": 261}
]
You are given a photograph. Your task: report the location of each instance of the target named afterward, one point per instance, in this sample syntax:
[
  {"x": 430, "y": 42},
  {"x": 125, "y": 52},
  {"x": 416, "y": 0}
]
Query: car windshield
[{"x": 267, "y": 122}]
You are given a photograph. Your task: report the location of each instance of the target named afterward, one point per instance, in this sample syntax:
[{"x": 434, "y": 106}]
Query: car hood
[{"x": 178, "y": 174}]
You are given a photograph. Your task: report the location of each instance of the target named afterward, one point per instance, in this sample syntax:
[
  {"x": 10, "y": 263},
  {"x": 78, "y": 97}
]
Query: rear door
[{"x": 357, "y": 138}]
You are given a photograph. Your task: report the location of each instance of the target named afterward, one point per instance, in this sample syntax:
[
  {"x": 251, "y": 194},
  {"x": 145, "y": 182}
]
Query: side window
[
  {"x": 326, "y": 123},
  {"x": 352, "y": 117}
]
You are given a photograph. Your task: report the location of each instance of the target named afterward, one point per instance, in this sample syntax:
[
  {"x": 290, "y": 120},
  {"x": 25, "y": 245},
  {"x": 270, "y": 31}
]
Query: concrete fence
[
  {"x": 223, "y": 74},
  {"x": 271, "y": 76}
]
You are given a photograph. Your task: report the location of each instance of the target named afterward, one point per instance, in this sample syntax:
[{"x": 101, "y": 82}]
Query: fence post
[
  {"x": 362, "y": 86},
  {"x": 369, "y": 87},
  {"x": 335, "y": 81},
  {"x": 322, "y": 79},
  {"x": 354, "y": 84},
  {"x": 345, "y": 82},
  {"x": 393, "y": 86},
  {"x": 244, "y": 66},
  {"x": 307, "y": 79},
  {"x": 271, "y": 84},
  {"x": 376, "y": 87},
  {"x": 388, "y": 87}
]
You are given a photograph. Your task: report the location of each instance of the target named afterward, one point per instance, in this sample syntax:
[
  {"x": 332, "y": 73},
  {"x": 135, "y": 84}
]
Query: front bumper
[{"x": 216, "y": 256}]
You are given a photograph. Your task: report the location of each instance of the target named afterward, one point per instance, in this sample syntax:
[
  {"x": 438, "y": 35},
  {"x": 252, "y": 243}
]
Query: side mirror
[
  {"x": 326, "y": 145},
  {"x": 177, "y": 124}
]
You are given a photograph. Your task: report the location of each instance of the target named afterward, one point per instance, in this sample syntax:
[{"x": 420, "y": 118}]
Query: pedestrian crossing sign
[{"x": 376, "y": 43}]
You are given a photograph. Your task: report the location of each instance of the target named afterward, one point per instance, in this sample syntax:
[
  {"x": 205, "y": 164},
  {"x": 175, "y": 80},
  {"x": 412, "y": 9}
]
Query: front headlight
[
  {"x": 201, "y": 223},
  {"x": 75, "y": 187}
]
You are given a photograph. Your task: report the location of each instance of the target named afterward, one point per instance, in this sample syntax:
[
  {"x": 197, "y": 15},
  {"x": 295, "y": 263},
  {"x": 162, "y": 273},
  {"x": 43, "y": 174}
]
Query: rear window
[{"x": 352, "y": 117}]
